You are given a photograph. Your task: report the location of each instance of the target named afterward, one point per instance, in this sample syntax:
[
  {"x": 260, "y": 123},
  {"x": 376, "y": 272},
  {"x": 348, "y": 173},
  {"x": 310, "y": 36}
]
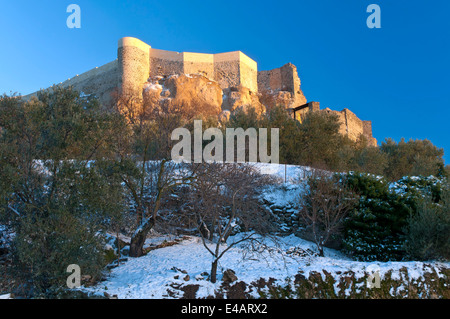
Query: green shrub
[
  {"x": 362, "y": 158},
  {"x": 428, "y": 230},
  {"x": 374, "y": 229},
  {"x": 387, "y": 213},
  {"x": 45, "y": 247},
  {"x": 414, "y": 188}
]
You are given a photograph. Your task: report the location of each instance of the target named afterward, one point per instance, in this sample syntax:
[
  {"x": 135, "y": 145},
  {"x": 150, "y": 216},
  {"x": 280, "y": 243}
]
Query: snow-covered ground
[
  {"x": 151, "y": 276},
  {"x": 285, "y": 173},
  {"x": 159, "y": 273}
]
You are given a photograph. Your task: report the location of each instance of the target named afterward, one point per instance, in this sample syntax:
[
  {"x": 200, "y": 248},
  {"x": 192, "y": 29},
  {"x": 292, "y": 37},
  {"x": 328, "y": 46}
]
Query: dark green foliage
[
  {"x": 52, "y": 192},
  {"x": 393, "y": 160},
  {"x": 373, "y": 230},
  {"x": 428, "y": 230},
  {"x": 45, "y": 247},
  {"x": 320, "y": 140},
  {"x": 316, "y": 141},
  {"x": 151, "y": 139},
  {"x": 362, "y": 158},
  {"x": 277, "y": 117},
  {"x": 446, "y": 171},
  {"x": 414, "y": 188},
  {"x": 391, "y": 214},
  {"x": 244, "y": 119}
]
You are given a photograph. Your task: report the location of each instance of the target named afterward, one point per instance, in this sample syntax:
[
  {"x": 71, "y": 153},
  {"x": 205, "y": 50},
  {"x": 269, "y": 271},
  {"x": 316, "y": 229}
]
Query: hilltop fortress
[{"x": 223, "y": 81}]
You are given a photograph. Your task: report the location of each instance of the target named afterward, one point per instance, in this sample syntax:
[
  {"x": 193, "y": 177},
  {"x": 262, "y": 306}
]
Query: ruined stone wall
[
  {"x": 168, "y": 63},
  {"x": 270, "y": 80},
  {"x": 280, "y": 80},
  {"x": 353, "y": 127},
  {"x": 367, "y": 129},
  {"x": 248, "y": 72}
]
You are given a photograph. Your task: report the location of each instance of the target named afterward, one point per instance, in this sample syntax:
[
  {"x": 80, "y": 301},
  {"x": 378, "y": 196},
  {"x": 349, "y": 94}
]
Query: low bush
[
  {"x": 407, "y": 219},
  {"x": 428, "y": 230}
]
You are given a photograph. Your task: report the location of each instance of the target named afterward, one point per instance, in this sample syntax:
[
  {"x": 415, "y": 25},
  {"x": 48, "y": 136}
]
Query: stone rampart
[
  {"x": 353, "y": 127},
  {"x": 137, "y": 61},
  {"x": 230, "y": 69},
  {"x": 101, "y": 81}
]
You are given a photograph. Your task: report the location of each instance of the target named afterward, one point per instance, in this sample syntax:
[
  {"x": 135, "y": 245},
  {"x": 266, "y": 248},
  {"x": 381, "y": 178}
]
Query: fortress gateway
[{"x": 233, "y": 74}]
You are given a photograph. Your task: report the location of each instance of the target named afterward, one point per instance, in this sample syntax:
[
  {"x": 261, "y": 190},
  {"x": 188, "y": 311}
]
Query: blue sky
[{"x": 397, "y": 76}]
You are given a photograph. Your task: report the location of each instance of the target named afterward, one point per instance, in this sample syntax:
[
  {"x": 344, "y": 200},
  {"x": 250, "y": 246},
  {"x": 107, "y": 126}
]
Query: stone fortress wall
[
  {"x": 101, "y": 81},
  {"x": 138, "y": 61},
  {"x": 351, "y": 125},
  {"x": 235, "y": 73}
]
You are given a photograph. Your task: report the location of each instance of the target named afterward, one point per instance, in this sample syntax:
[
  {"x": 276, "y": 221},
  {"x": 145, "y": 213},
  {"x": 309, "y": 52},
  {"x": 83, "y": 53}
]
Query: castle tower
[{"x": 134, "y": 65}]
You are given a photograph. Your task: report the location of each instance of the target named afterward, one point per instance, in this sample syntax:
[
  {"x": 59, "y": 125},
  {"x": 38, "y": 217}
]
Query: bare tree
[
  {"x": 324, "y": 206},
  {"x": 144, "y": 166},
  {"x": 225, "y": 200}
]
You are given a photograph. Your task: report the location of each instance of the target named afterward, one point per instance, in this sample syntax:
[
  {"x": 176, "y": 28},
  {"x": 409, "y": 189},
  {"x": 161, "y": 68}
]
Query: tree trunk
[
  {"x": 138, "y": 239},
  {"x": 214, "y": 271},
  {"x": 321, "y": 251}
]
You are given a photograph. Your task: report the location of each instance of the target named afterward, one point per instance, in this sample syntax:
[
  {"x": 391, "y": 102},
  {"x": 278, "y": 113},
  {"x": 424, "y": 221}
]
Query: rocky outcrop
[
  {"x": 195, "y": 95},
  {"x": 189, "y": 95},
  {"x": 241, "y": 98}
]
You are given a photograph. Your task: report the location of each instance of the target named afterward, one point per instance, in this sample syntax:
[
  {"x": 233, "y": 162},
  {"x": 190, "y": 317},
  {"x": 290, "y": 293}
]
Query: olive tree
[{"x": 55, "y": 191}]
